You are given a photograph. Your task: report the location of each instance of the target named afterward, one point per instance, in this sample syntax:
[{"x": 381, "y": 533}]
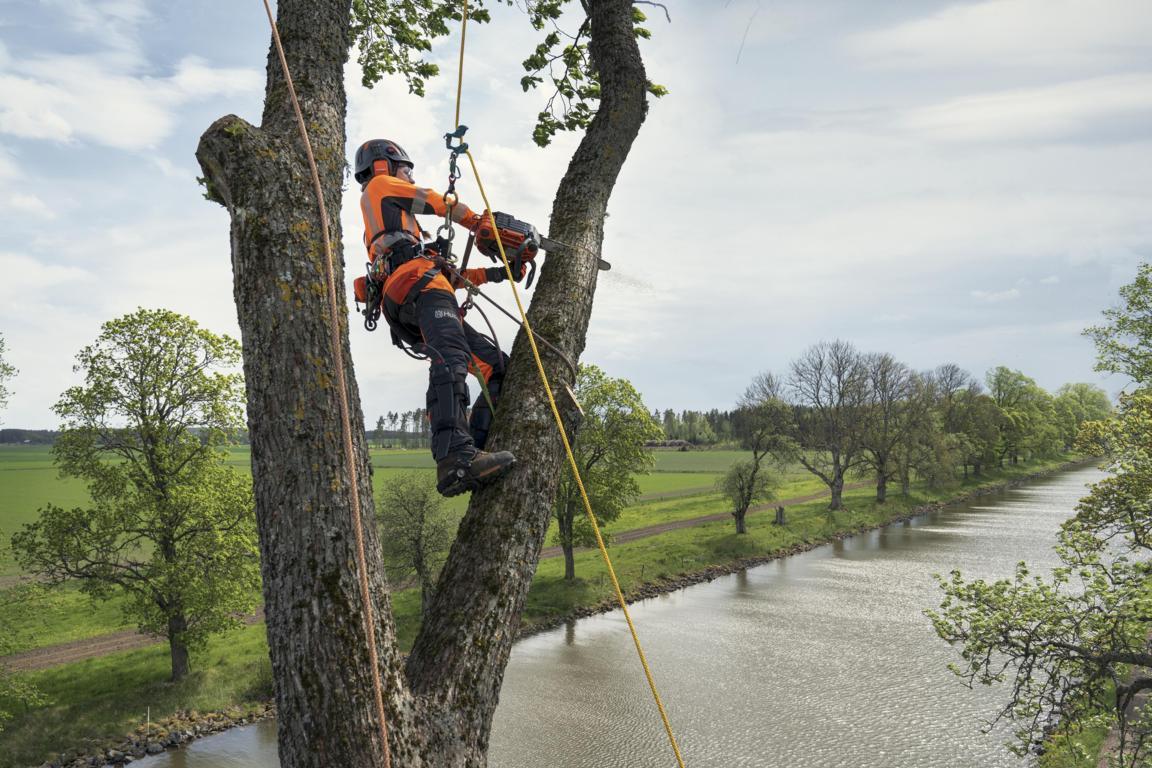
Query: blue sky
[{"x": 946, "y": 181}]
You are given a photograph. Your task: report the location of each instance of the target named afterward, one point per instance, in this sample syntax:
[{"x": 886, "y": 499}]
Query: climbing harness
[
  {"x": 345, "y": 415},
  {"x": 559, "y": 421}
]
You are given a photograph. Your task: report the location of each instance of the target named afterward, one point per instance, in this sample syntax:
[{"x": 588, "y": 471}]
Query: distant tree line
[
  {"x": 402, "y": 429},
  {"x": 28, "y": 436},
  {"x": 702, "y": 428},
  {"x": 840, "y": 412}
]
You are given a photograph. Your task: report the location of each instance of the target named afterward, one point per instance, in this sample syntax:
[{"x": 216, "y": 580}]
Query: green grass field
[
  {"x": 104, "y": 697},
  {"x": 29, "y": 481}
]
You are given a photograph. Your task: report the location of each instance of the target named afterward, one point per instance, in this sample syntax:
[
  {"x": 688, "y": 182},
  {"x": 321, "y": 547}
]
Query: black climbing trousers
[{"x": 454, "y": 348}]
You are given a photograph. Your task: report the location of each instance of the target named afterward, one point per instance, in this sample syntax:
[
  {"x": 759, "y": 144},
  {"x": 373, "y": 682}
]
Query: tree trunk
[
  {"x": 837, "y": 489},
  {"x": 564, "y": 526},
  {"x": 881, "y": 487},
  {"x": 427, "y": 590},
  {"x": 740, "y": 514},
  {"x": 315, "y": 611},
  {"x": 177, "y": 649},
  {"x": 569, "y": 562}
]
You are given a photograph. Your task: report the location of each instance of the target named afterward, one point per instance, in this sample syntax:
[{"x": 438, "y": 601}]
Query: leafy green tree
[
  {"x": 609, "y": 450},
  {"x": 1028, "y": 423},
  {"x": 419, "y": 530},
  {"x": 925, "y": 449},
  {"x": 763, "y": 423},
  {"x": 7, "y": 371},
  {"x": 171, "y": 527},
  {"x": 1075, "y": 644},
  {"x": 16, "y": 691},
  {"x": 1125, "y": 340},
  {"x": 1075, "y": 404},
  {"x": 979, "y": 421}
]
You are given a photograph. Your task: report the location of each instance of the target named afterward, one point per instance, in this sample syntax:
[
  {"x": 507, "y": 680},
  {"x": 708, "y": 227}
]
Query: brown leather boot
[{"x": 458, "y": 473}]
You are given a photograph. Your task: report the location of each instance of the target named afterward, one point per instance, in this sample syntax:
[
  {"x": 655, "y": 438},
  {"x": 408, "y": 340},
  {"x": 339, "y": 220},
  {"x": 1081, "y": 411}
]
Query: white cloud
[
  {"x": 1082, "y": 108},
  {"x": 195, "y": 78},
  {"x": 1005, "y": 33},
  {"x": 994, "y": 297},
  {"x": 27, "y": 280},
  {"x": 1050, "y": 280},
  {"x": 115, "y": 23},
  {"x": 32, "y": 205},
  {"x": 107, "y": 96}
]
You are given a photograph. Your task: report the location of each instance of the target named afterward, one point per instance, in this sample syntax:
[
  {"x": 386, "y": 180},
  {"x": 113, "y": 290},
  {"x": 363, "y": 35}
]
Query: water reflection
[{"x": 822, "y": 660}]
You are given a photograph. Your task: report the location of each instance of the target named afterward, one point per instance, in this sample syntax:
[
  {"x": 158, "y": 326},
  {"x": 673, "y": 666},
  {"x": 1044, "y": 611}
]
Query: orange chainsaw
[{"x": 522, "y": 243}]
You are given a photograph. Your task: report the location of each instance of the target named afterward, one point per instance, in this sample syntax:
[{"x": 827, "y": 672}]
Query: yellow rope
[
  {"x": 560, "y": 422},
  {"x": 345, "y": 417}
]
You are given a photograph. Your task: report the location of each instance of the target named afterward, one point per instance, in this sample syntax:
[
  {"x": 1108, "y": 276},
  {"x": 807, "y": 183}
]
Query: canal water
[{"x": 820, "y": 660}]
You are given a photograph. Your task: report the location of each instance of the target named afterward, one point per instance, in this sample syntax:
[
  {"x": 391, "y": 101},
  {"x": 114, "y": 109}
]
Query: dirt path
[
  {"x": 102, "y": 645},
  {"x": 90, "y": 648}
]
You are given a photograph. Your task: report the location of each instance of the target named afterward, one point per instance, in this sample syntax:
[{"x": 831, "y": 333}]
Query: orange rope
[{"x": 346, "y": 420}]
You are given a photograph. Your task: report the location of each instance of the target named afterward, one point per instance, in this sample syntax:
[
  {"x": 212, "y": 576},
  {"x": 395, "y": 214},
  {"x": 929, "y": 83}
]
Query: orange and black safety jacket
[{"x": 390, "y": 206}]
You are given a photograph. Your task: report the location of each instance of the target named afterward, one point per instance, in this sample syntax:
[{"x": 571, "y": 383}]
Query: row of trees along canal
[{"x": 840, "y": 413}]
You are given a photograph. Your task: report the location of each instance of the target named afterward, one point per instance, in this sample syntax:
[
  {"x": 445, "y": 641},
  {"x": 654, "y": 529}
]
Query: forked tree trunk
[{"x": 440, "y": 707}]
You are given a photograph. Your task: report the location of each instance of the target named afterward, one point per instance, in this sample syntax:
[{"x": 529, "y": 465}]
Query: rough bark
[
  {"x": 315, "y": 614},
  {"x": 441, "y": 714},
  {"x": 740, "y": 514},
  {"x": 177, "y": 649}
]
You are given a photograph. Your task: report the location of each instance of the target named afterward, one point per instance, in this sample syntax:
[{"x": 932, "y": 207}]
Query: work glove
[{"x": 498, "y": 275}]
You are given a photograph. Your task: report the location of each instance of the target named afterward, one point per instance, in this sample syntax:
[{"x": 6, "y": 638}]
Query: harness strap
[{"x": 406, "y": 332}]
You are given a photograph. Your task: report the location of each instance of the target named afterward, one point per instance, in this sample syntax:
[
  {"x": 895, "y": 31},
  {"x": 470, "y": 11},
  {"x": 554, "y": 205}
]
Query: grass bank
[{"x": 106, "y": 697}]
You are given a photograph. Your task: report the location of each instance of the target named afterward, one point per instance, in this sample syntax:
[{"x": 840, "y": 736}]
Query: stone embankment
[
  {"x": 664, "y": 586},
  {"x": 160, "y": 736}
]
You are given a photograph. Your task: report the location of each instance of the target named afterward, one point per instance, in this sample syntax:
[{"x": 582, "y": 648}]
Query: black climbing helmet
[{"x": 379, "y": 149}]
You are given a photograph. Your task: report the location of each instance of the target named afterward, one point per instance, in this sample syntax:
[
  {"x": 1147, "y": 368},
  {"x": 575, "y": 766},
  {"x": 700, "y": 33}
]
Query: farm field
[{"x": 29, "y": 481}]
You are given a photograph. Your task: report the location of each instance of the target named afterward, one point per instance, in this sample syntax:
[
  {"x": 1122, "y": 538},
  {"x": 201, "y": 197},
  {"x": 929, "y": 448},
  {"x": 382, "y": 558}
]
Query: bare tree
[
  {"x": 829, "y": 386},
  {"x": 888, "y": 418}
]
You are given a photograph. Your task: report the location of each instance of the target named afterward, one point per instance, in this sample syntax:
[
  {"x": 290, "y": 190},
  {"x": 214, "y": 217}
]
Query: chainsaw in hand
[{"x": 521, "y": 243}]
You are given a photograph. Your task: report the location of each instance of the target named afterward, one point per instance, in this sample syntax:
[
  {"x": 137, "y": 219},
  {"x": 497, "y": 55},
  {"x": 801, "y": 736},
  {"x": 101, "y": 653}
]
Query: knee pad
[{"x": 447, "y": 395}]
